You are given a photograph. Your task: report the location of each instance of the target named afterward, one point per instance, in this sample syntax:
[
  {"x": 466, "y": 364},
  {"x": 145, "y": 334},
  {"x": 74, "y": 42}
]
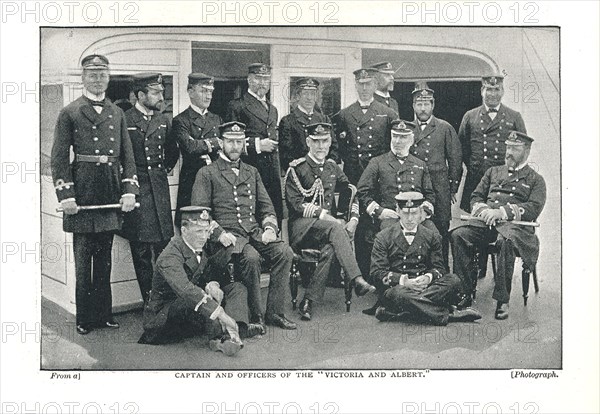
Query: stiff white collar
[
  {"x": 263, "y": 99},
  {"x": 380, "y": 93},
  {"x": 143, "y": 109},
  {"x": 197, "y": 109},
  {"x": 92, "y": 96}
]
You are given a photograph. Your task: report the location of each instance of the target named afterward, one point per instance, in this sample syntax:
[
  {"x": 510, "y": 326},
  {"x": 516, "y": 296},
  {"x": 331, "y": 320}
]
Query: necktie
[
  {"x": 402, "y": 159},
  {"x": 199, "y": 255},
  {"x": 97, "y": 103},
  {"x": 492, "y": 110},
  {"x": 410, "y": 233}
]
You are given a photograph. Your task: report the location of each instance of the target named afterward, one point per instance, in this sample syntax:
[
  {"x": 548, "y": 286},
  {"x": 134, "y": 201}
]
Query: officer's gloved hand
[
  {"x": 268, "y": 145},
  {"x": 227, "y": 239},
  {"x": 127, "y": 203},
  {"x": 351, "y": 227},
  {"x": 269, "y": 235},
  {"x": 69, "y": 206}
]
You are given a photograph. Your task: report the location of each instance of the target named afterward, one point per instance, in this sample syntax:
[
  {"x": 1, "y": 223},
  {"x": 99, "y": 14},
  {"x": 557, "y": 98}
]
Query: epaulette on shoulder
[{"x": 297, "y": 162}]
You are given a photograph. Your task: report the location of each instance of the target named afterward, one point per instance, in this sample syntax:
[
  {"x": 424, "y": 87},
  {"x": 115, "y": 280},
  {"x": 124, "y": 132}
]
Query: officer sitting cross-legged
[
  {"x": 311, "y": 183},
  {"x": 179, "y": 305},
  {"x": 407, "y": 263},
  {"x": 247, "y": 224}
]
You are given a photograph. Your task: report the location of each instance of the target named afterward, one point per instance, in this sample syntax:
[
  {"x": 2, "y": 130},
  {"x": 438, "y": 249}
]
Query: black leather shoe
[
  {"x": 464, "y": 315},
  {"x": 371, "y": 311},
  {"x": 501, "y": 311},
  {"x": 305, "y": 309},
  {"x": 280, "y": 321},
  {"x": 84, "y": 328},
  {"x": 384, "y": 315},
  {"x": 260, "y": 321},
  {"x": 111, "y": 323},
  {"x": 361, "y": 287}
]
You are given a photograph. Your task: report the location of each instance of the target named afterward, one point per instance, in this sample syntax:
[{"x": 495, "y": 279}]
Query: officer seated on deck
[
  {"x": 178, "y": 305},
  {"x": 407, "y": 264}
]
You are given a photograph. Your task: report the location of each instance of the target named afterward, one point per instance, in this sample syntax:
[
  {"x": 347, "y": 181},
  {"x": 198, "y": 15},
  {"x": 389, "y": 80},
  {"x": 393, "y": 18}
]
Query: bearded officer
[
  {"x": 385, "y": 85},
  {"x": 150, "y": 227},
  {"x": 102, "y": 172},
  {"x": 483, "y": 132},
  {"x": 311, "y": 183},
  {"x": 437, "y": 144},
  {"x": 292, "y": 127},
  {"x": 407, "y": 264},
  {"x": 248, "y": 228},
  {"x": 196, "y": 130},
  {"x": 506, "y": 193},
  {"x": 181, "y": 300},
  {"x": 260, "y": 117},
  {"x": 363, "y": 128}
]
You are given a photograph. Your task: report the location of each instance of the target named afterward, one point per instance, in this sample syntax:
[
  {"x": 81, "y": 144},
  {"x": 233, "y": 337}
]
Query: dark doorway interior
[{"x": 452, "y": 99}]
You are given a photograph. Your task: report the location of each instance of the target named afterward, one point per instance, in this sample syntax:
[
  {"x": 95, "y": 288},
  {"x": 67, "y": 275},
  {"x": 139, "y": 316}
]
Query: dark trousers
[
  {"x": 280, "y": 256},
  {"x": 144, "y": 257},
  {"x": 432, "y": 305},
  {"x": 333, "y": 241},
  {"x": 466, "y": 240},
  {"x": 93, "y": 297},
  {"x": 443, "y": 227}
]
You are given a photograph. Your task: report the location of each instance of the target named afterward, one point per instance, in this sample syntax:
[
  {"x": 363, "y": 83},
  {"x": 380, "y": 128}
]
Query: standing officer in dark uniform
[
  {"x": 482, "y": 134},
  {"x": 436, "y": 143},
  {"x": 387, "y": 175},
  {"x": 260, "y": 117},
  {"x": 385, "y": 84},
  {"x": 102, "y": 173},
  {"x": 247, "y": 224},
  {"x": 178, "y": 302},
  {"x": 506, "y": 193},
  {"x": 407, "y": 264},
  {"x": 292, "y": 134},
  {"x": 196, "y": 130},
  {"x": 363, "y": 128},
  {"x": 150, "y": 227},
  {"x": 311, "y": 183}
]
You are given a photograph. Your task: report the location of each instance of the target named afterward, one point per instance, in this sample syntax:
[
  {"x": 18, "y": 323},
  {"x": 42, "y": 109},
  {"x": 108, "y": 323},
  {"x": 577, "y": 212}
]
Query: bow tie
[
  {"x": 492, "y": 110},
  {"x": 402, "y": 158},
  {"x": 97, "y": 103},
  {"x": 423, "y": 123},
  {"x": 410, "y": 233},
  {"x": 365, "y": 106},
  {"x": 198, "y": 252},
  {"x": 234, "y": 164}
]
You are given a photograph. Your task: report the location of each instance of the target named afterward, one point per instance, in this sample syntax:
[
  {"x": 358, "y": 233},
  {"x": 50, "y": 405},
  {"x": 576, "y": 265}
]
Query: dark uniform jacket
[
  {"x": 362, "y": 137},
  {"x": 301, "y": 176},
  {"x": 292, "y": 136},
  {"x": 260, "y": 123},
  {"x": 522, "y": 194},
  {"x": 154, "y": 156},
  {"x": 240, "y": 204},
  {"x": 385, "y": 178},
  {"x": 178, "y": 275},
  {"x": 93, "y": 183},
  {"x": 389, "y": 102},
  {"x": 392, "y": 253},
  {"x": 438, "y": 145},
  {"x": 197, "y": 137},
  {"x": 483, "y": 143}
]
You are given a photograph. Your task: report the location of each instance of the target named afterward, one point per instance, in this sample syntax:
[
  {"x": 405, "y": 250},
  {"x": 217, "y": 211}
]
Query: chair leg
[
  {"x": 525, "y": 283},
  {"x": 348, "y": 293},
  {"x": 294, "y": 280}
]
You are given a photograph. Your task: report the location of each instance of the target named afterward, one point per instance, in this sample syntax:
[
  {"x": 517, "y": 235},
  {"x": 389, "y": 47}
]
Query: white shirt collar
[
  {"x": 188, "y": 245},
  {"x": 487, "y": 108},
  {"x": 92, "y": 96},
  {"x": 419, "y": 122},
  {"x": 263, "y": 99},
  {"x": 301, "y": 109},
  {"x": 400, "y": 155},
  {"x": 521, "y": 166},
  {"x": 380, "y": 93},
  {"x": 369, "y": 102},
  {"x": 225, "y": 157},
  {"x": 197, "y": 109},
  {"x": 143, "y": 109}
]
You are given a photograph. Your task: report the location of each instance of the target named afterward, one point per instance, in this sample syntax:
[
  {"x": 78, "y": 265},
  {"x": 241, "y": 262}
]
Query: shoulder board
[{"x": 297, "y": 162}]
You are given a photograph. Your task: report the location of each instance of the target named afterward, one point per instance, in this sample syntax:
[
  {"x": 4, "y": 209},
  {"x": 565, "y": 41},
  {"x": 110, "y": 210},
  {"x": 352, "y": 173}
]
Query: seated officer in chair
[
  {"x": 310, "y": 186},
  {"x": 408, "y": 266},
  {"x": 506, "y": 193},
  {"x": 177, "y": 303}
]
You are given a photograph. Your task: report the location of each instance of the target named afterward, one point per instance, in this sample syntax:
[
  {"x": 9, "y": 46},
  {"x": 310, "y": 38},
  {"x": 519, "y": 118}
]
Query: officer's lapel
[
  {"x": 499, "y": 115},
  {"x": 139, "y": 121},
  {"x": 226, "y": 171},
  {"x": 90, "y": 113},
  {"x": 272, "y": 117},
  {"x": 154, "y": 124},
  {"x": 245, "y": 173},
  {"x": 191, "y": 262},
  {"x": 107, "y": 112},
  {"x": 400, "y": 241},
  {"x": 367, "y": 115},
  {"x": 428, "y": 130},
  {"x": 198, "y": 121},
  {"x": 417, "y": 240},
  {"x": 356, "y": 112},
  {"x": 256, "y": 108}
]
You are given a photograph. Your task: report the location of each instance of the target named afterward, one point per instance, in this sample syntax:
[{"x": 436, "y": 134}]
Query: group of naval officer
[{"x": 396, "y": 187}]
